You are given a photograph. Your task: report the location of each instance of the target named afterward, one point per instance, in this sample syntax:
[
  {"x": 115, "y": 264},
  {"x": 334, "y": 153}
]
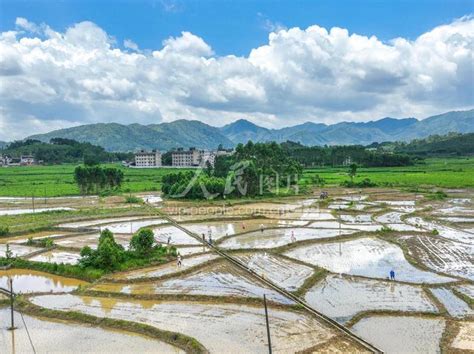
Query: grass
[
  {"x": 57, "y": 180},
  {"x": 436, "y": 172},
  {"x": 48, "y": 219}
]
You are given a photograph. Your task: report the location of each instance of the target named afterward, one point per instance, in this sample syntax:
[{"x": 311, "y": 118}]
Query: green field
[
  {"x": 53, "y": 181},
  {"x": 58, "y": 180},
  {"x": 444, "y": 173}
]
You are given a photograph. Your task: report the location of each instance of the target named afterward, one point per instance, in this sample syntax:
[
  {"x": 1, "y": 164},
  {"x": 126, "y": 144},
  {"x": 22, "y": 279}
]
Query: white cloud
[
  {"x": 128, "y": 43},
  {"x": 52, "y": 80},
  {"x": 24, "y": 24}
]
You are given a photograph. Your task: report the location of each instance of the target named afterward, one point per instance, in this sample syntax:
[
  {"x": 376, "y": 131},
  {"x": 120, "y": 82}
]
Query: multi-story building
[
  {"x": 192, "y": 157},
  {"x": 146, "y": 159},
  {"x": 185, "y": 158}
]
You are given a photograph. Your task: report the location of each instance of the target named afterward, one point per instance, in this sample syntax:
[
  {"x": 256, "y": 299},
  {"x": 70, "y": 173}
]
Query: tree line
[
  {"x": 340, "y": 155},
  {"x": 60, "y": 150},
  {"x": 253, "y": 169},
  {"x": 95, "y": 178}
]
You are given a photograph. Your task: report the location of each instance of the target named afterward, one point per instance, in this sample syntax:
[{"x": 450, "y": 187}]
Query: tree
[
  {"x": 352, "y": 171},
  {"x": 108, "y": 256},
  {"x": 142, "y": 242}
]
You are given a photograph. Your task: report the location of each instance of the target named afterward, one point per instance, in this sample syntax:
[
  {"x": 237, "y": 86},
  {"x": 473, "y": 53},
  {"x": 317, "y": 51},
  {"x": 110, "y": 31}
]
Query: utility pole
[
  {"x": 33, "y": 202},
  {"x": 268, "y": 325},
  {"x": 12, "y": 327}
]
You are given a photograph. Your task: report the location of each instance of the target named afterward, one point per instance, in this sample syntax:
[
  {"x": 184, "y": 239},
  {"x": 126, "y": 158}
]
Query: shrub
[
  {"x": 131, "y": 199},
  {"x": 142, "y": 242}
]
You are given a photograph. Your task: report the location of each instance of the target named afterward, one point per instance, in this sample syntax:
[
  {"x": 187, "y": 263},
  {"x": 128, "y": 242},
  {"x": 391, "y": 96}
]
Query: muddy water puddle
[
  {"x": 442, "y": 255},
  {"x": 342, "y": 298},
  {"x": 368, "y": 257},
  {"x": 28, "y": 281},
  {"x": 453, "y": 304},
  {"x": 56, "y": 256},
  {"x": 219, "y": 279},
  {"x": 279, "y": 237},
  {"x": 168, "y": 268},
  {"x": 287, "y": 274},
  {"x": 221, "y": 328},
  {"x": 62, "y": 337},
  {"x": 402, "y": 334}
]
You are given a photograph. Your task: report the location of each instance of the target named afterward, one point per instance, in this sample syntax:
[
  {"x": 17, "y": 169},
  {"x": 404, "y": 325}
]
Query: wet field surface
[{"x": 336, "y": 256}]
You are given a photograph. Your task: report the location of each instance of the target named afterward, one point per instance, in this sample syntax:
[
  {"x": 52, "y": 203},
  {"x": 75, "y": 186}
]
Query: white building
[
  {"x": 148, "y": 159},
  {"x": 27, "y": 160},
  {"x": 192, "y": 158}
]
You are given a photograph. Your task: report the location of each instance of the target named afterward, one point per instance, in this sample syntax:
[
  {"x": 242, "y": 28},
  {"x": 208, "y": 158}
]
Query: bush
[
  {"x": 142, "y": 242},
  {"x": 131, "y": 199}
]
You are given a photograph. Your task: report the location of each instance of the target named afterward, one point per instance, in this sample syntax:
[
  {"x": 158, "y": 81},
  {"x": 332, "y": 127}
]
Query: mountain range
[{"x": 187, "y": 133}]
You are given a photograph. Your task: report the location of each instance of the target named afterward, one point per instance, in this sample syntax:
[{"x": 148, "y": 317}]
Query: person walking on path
[
  {"x": 178, "y": 261},
  {"x": 392, "y": 275}
]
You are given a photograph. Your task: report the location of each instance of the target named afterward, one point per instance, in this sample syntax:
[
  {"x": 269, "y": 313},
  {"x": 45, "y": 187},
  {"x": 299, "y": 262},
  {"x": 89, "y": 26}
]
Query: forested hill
[
  {"x": 191, "y": 133},
  {"x": 436, "y": 145},
  {"x": 60, "y": 150}
]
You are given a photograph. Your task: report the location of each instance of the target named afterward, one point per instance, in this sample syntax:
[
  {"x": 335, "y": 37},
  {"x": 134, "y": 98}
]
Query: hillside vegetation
[{"x": 190, "y": 133}]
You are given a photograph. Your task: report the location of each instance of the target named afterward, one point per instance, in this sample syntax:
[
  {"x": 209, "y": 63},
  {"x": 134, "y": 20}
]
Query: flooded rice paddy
[
  {"x": 367, "y": 257},
  {"x": 10, "y": 211},
  {"x": 341, "y": 298},
  {"x": 218, "y": 279},
  {"x": 17, "y": 250},
  {"x": 453, "y": 304},
  {"x": 30, "y": 281},
  {"x": 402, "y": 334},
  {"x": 286, "y": 243},
  {"x": 441, "y": 255},
  {"x": 279, "y": 270},
  {"x": 279, "y": 237},
  {"x": 168, "y": 268},
  {"x": 221, "y": 328},
  {"x": 56, "y": 256},
  {"x": 65, "y": 337}
]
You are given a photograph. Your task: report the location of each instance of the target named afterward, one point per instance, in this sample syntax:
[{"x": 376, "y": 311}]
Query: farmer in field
[
  {"x": 169, "y": 240},
  {"x": 293, "y": 238},
  {"x": 203, "y": 237},
  {"x": 178, "y": 261},
  {"x": 261, "y": 227},
  {"x": 392, "y": 275}
]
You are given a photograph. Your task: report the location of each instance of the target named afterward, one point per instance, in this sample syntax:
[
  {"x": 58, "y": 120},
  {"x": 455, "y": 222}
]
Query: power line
[{"x": 28, "y": 333}]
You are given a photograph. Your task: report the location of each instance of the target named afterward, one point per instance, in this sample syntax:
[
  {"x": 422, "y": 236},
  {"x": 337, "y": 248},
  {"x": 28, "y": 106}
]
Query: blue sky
[
  {"x": 275, "y": 63},
  {"x": 235, "y": 27}
]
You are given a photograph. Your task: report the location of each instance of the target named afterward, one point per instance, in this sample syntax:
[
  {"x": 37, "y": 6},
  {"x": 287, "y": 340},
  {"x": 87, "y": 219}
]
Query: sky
[{"x": 275, "y": 63}]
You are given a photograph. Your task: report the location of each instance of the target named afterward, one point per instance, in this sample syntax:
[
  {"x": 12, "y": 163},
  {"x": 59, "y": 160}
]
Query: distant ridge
[{"x": 186, "y": 133}]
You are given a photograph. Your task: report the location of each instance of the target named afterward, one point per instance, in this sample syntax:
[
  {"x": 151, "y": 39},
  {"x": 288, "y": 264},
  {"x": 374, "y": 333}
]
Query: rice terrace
[{"x": 236, "y": 177}]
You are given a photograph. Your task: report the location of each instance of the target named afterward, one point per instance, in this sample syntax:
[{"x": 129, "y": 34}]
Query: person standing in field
[
  {"x": 293, "y": 238},
  {"x": 178, "y": 261},
  {"x": 261, "y": 227},
  {"x": 392, "y": 275},
  {"x": 203, "y": 237}
]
